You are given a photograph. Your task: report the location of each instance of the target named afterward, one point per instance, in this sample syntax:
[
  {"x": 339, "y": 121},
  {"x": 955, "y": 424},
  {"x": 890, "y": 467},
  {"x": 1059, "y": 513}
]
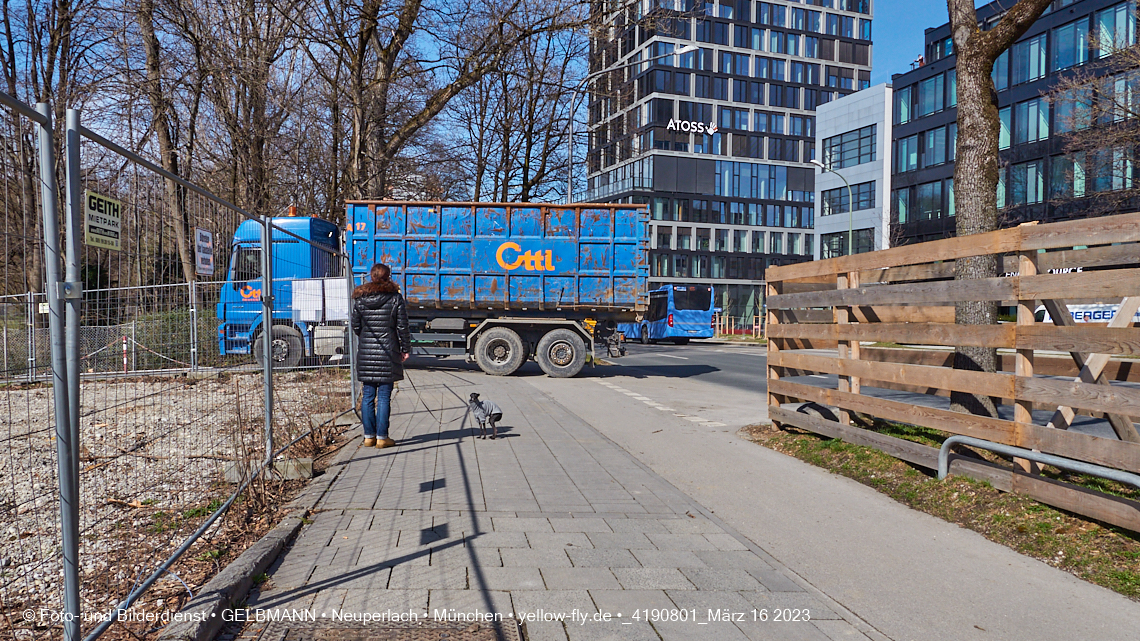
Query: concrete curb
[{"x": 202, "y": 616}]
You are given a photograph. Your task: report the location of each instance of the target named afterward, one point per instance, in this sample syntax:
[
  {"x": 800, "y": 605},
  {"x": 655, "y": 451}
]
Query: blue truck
[{"x": 496, "y": 283}]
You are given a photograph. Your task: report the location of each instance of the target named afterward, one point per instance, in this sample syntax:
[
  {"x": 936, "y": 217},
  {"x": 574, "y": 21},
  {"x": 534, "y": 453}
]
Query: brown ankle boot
[
  {"x": 369, "y": 441},
  {"x": 385, "y": 442}
]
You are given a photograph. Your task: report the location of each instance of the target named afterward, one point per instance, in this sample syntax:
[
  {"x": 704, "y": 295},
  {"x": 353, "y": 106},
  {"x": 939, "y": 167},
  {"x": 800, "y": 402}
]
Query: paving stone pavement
[{"x": 552, "y": 524}]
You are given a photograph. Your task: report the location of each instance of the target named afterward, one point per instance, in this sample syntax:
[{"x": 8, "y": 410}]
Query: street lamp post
[
  {"x": 679, "y": 51},
  {"x": 850, "y": 204}
]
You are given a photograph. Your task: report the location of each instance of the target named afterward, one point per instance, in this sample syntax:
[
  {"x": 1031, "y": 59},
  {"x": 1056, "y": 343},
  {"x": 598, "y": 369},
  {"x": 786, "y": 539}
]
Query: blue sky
[{"x": 897, "y": 34}]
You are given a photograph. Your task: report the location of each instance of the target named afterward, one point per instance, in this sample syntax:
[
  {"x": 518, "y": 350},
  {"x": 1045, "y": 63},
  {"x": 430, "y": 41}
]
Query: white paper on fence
[
  {"x": 336, "y": 299},
  {"x": 308, "y": 300}
]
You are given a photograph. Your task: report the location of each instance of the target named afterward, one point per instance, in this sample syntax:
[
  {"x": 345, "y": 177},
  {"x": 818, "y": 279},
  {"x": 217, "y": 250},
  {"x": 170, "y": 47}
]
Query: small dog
[{"x": 485, "y": 412}]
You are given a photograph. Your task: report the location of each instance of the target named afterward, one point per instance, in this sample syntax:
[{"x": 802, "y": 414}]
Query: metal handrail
[{"x": 1048, "y": 459}]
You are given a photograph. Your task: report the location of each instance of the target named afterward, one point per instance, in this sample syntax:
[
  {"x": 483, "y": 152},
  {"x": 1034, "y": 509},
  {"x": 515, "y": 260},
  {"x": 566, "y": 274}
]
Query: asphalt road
[{"x": 737, "y": 366}]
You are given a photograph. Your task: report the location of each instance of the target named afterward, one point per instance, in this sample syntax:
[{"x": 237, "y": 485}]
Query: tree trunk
[
  {"x": 976, "y": 169},
  {"x": 161, "y": 122}
]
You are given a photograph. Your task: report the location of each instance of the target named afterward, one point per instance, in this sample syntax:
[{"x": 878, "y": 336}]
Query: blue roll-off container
[{"x": 524, "y": 257}]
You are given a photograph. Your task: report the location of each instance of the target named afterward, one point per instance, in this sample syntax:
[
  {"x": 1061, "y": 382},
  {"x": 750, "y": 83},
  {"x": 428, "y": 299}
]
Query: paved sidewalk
[{"x": 552, "y": 520}]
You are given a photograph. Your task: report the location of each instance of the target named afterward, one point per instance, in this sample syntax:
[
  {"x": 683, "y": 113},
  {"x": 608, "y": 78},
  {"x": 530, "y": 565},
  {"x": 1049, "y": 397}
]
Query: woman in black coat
[{"x": 380, "y": 320}]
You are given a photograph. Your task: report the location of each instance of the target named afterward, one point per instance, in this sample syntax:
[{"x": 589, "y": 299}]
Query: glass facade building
[
  {"x": 1040, "y": 180},
  {"x": 717, "y": 140}
]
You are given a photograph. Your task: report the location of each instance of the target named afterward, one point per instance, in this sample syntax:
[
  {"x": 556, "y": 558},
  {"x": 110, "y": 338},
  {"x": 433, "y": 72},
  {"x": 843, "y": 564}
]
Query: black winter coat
[{"x": 380, "y": 319}]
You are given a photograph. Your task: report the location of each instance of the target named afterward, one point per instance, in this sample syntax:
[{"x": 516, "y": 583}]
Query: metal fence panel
[{"x": 172, "y": 420}]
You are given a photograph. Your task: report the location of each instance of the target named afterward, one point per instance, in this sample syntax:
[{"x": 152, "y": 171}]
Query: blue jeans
[{"x": 375, "y": 408}]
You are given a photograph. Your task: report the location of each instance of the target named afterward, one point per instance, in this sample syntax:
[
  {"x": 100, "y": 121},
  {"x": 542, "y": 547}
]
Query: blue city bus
[{"x": 676, "y": 313}]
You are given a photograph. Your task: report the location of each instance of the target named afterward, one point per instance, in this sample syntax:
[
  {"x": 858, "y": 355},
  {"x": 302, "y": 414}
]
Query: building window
[
  {"x": 930, "y": 93},
  {"x": 833, "y": 245},
  {"x": 740, "y": 242},
  {"x": 900, "y": 204},
  {"x": 835, "y": 201},
  {"x": 1032, "y": 121},
  {"x": 1003, "y": 128},
  {"x": 1027, "y": 183},
  {"x": 907, "y": 155},
  {"x": 1072, "y": 110},
  {"x": 902, "y": 106},
  {"x": 952, "y": 88},
  {"x": 1000, "y": 74},
  {"x": 929, "y": 197},
  {"x": 934, "y": 147},
  {"x": 850, "y": 148},
  {"x": 776, "y": 244},
  {"x": 664, "y": 237},
  {"x": 1115, "y": 29},
  {"x": 1029, "y": 60},
  {"x": 721, "y": 240},
  {"x": 1071, "y": 44},
  {"x": 757, "y": 242}
]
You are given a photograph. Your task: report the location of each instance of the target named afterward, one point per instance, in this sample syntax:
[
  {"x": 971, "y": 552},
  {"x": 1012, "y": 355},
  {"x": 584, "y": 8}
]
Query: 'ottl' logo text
[{"x": 509, "y": 258}]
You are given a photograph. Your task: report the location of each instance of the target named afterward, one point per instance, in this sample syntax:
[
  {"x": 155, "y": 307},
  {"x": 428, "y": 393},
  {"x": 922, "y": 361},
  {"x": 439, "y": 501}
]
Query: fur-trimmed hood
[{"x": 371, "y": 288}]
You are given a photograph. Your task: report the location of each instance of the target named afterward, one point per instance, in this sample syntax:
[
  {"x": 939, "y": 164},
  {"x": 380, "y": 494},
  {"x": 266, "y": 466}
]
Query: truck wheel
[
  {"x": 287, "y": 347},
  {"x": 561, "y": 353},
  {"x": 499, "y": 351},
  {"x": 645, "y": 335}
]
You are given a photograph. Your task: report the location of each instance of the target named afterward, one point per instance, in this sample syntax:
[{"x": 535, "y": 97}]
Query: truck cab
[{"x": 298, "y": 269}]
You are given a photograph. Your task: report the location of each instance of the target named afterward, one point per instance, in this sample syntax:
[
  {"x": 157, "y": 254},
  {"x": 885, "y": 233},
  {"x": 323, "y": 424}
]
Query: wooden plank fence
[{"x": 823, "y": 316}]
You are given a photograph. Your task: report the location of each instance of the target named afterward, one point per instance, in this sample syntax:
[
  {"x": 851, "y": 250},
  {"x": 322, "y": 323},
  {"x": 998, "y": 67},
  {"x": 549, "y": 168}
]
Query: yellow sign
[
  {"x": 102, "y": 221},
  {"x": 531, "y": 261}
]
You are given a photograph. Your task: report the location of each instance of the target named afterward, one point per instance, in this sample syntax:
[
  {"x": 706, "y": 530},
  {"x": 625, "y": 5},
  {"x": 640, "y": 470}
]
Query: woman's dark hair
[{"x": 381, "y": 275}]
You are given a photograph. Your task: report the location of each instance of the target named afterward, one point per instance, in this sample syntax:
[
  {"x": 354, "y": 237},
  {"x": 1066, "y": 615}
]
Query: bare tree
[
  {"x": 1097, "y": 108},
  {"x": 976, "y": 170}
]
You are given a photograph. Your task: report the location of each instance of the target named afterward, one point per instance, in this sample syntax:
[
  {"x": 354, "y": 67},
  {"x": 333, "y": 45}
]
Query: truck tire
[
  {"x": 499, "y": 351},
  {"x": 561, "y": 353},
  {"x": 288, "y": 348},
  {"x": 645, "y": 335}
]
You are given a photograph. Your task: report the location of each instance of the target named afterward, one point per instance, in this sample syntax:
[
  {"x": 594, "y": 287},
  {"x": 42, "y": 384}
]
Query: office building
[
  {"x": 854, "y": 134},
  {"x": 717, "y": 140},
  {"x": 1039, "y": 181}
]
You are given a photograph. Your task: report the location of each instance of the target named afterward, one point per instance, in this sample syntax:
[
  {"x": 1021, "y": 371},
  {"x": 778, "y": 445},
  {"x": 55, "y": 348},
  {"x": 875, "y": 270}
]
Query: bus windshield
[{"x": 692, "y": 297}]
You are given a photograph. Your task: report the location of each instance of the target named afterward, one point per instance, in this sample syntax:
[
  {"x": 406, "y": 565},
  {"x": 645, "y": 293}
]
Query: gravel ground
[{"x": 153, "y": 455}]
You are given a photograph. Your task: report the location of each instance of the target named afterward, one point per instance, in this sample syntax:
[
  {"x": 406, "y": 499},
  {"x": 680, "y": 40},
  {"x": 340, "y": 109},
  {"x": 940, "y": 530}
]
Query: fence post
[
  {"x": 1023, "y": 359},
  {"x": 351, "y": 355},
  {"x": 134, "y": 345},
  {"x": 65, "y": 446},
  {"x": 31, "y": 341},
  {"x": 267, "y": 329},
  {"x": 193, "y": 325}
]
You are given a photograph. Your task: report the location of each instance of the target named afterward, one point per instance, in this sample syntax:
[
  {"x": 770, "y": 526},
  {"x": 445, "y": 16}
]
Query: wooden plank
[
  {"x": 933, "y": 358},
  {"x": 909, "y": 333},
  {"x": 1116, "y": 510},
  {"x": 908, "y": 273},
  {"x": 1023, "y": 358},
  {"x": 845, "y": 383},
  {"x": 1079, "y": 338},
  {"x": 911, "y": 314},
  {"x": 772, "y": 347},
  {"x": 1090, "y": 396},
  {"x": 990, "y": 384},
  {"x": 1074, "y": 445},
  {"x": 946, "y": 291},
  {"x": 910, "y": 451},
  {"x": 994, "y": 242},
  {"x": 792, "y": 316},
  {"x": 801, "y": 343},
  {"x": 1105, "y": 230},
  {"x": 798, "y": 288},
  {"x": 1107, "y": 256},
  {"x": 1099, "y": 284},
  {"x": 1104, "y": 256},
  {"x": 990, "y": 429}
]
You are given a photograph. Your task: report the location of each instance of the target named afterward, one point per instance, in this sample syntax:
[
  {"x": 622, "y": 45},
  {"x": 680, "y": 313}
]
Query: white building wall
[{"x": 863, "y": 108}]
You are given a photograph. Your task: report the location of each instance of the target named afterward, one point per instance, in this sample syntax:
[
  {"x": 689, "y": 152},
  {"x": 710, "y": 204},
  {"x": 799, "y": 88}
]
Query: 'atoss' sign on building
[{"x": 690, "y": 126}]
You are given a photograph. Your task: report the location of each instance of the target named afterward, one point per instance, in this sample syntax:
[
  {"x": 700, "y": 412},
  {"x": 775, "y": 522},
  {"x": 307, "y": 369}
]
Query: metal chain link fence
[{"x": 178, "y": 441}]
